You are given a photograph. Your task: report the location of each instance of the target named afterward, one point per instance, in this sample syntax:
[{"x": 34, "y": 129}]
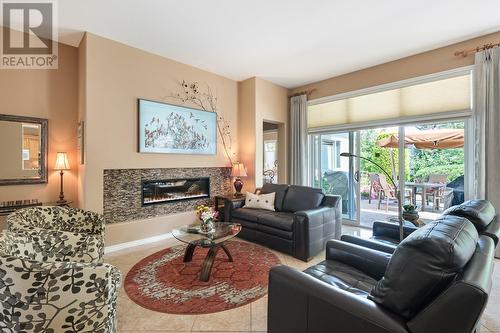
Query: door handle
[{"x": 356, "y": 176}]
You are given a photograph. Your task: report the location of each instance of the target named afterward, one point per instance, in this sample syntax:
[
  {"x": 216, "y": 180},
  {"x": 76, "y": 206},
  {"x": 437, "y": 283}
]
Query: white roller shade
[{"x": 452, "y": 94}]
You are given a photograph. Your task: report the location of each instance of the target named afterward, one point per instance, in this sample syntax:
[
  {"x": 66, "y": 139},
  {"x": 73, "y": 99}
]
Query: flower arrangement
[{"x": 207, "y": 216}]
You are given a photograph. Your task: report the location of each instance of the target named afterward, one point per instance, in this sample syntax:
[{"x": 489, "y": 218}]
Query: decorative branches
[{"x": 190, "y": 94}]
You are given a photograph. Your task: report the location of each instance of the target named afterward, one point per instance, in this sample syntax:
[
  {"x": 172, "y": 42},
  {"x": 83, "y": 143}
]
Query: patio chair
[
  {"x": 443, "y": 196},
  {"x": 385, "y": 191},
  {"x": 438, "y": 192},
  {"x": 374, "y": 185}
]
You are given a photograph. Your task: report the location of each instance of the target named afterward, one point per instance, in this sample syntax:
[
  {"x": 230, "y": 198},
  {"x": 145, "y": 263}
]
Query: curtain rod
[
  {"x": 304, "y": 92},
  {"x": 465, "y": 53}
]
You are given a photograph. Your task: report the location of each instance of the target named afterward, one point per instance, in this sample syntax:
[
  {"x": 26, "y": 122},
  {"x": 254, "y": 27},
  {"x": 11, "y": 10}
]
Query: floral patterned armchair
[
  {"x": 58, "y": 296},
  {"x": 52, "y": 280},
  {"x": 60, "y": 234}
]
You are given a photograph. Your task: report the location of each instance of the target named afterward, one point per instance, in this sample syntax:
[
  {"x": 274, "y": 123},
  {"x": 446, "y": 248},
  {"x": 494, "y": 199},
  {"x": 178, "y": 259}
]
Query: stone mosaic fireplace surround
[{"x": 122, "y": 191}]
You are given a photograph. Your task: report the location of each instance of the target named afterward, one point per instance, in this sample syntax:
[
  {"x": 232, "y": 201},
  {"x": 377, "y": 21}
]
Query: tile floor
[{"x": 248, "y": 318}]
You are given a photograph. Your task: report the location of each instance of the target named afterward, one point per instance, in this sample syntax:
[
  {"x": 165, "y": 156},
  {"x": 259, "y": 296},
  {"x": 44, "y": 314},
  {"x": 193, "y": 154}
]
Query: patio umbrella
[{"x": 427, "y": 139}]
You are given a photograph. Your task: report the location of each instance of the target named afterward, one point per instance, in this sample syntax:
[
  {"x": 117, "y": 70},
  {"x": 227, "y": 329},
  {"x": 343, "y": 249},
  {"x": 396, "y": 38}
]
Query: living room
[{"x": 223, "y": 167}]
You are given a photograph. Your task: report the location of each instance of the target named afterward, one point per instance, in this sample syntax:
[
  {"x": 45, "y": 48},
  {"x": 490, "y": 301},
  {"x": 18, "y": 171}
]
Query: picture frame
[{"x": 172, "y": 129}]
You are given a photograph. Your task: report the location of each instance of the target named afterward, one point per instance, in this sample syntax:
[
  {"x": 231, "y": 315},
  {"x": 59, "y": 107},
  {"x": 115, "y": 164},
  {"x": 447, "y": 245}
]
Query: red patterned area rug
[{"x": 163, "y": 282}]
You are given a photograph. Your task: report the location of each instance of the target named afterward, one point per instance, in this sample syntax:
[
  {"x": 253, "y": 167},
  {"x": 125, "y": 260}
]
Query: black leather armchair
[
  {"x": 315, "y": 301},
  {"x": 350, "y": 291},
  {"x": 386, "y": 235}
]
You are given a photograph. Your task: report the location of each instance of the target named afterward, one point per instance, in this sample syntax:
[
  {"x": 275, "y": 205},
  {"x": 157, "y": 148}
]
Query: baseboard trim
[{"x": 138, "y": 242}]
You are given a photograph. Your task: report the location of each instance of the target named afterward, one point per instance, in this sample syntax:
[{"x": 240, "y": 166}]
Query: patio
[{"x": 370, "y": 213}]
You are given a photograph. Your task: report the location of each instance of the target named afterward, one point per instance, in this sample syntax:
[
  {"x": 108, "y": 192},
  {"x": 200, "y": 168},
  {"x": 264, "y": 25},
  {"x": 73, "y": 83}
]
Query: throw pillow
[{"x": 260, "y": 201}]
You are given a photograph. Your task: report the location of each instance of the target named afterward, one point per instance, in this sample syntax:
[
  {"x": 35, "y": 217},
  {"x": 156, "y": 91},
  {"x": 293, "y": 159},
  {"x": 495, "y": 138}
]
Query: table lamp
[
  {"x": 61, "y": 165},
  {"x": 238, "y": 172}
]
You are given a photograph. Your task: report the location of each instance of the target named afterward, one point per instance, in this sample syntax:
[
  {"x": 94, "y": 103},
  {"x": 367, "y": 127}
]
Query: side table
[{"x": 223, "y": 205}]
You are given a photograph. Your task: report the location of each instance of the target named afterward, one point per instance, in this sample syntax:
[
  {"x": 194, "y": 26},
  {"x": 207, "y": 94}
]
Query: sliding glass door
[
  {"x": 432, "y": 175},
  {"x": 333, "y": 173}
]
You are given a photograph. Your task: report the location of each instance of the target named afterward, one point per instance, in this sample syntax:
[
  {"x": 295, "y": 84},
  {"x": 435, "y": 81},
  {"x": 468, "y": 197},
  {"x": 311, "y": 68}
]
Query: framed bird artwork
[{"x": 172, "y": 129}]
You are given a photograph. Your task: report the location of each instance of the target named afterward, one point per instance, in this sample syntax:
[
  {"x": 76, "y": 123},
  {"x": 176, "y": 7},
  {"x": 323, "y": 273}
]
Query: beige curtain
[
  {"x": 298, "y": 139},
  {"x": 486, "y": 123}
]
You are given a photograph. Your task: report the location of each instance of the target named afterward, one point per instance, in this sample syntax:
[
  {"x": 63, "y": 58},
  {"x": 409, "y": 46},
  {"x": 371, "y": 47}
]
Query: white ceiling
[{"x": 288, "y": 42}]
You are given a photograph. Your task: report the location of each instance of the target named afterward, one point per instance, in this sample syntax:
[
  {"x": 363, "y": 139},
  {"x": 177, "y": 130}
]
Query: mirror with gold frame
[{"x": 23, "y": 150}]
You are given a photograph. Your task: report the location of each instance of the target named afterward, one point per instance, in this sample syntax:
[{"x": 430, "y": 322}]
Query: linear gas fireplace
[{"x": 168, "y": 190}]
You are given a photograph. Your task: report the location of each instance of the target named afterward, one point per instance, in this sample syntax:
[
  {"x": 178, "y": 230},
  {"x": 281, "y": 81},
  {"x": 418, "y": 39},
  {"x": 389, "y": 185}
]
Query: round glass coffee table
[{"x": 214, "y": 241}]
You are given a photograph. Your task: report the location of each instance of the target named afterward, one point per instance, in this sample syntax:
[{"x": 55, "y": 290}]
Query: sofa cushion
[
  {"x": 479, "y": 212},
  {"x": 299, "y": 198},
  {"x": 249, "y": 214},
  {"x": 279, "y": 220},
  {"x": 246, "y": 224},
  {"x": 424, "y": 263},
  {"x": 260, "y": 201},
  {"x": 342, "y": 276},
  {"x": 275, "y": 231},
  {"x": 280, "y": 190}
]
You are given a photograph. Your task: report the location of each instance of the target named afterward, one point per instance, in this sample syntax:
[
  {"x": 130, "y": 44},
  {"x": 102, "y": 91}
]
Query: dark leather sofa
[
  {"x": 304, "y": 220},
  {"x": 386, "y": 235},
  {"x": 437, "y": 280}
]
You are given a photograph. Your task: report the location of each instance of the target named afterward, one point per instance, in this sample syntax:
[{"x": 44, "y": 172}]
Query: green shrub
[{"x": 453, "y": 171}]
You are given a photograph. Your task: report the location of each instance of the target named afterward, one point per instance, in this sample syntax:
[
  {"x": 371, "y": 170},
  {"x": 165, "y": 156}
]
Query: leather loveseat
[
  {"x": 304, "y": 220},
  {"x": 437, "y": 280},
  {"x": 386, "y": 235}
]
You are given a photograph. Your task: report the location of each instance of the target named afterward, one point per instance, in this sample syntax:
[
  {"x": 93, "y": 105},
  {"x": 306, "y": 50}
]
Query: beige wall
[
  {"x": 82, "y": 98},
  {"x": 261, "y": 101},
  {"x": 50, "y": 94},
  {"x": 99, "y": 83},
  {"x": 272, "y": 107},
  {"x": 247, "y": 130},
  {"x": 434, "y": 61},
  {"x": 116, "y": 75}
]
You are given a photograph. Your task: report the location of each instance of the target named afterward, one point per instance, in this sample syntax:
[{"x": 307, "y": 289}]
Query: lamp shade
[
  {"x": 238, "y": 170},
  {"x": 61, "y": 162}
]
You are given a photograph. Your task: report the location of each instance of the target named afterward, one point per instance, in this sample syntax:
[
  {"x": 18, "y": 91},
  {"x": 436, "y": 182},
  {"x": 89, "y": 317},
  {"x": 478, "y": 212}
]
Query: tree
[
  {"x": 437, "y": 161},
  {"x": 382, "y": 156}
]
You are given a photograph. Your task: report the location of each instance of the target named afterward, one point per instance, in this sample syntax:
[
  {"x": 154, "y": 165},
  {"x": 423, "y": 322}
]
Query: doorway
[{"x": 271, "y": 153}]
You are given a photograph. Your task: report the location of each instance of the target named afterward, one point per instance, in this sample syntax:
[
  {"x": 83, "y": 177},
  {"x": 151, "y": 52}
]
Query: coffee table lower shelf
[{"x": 206, "y": 268}]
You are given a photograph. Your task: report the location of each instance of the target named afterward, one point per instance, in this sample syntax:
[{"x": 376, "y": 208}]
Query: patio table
[{"x": 424, "y": 186}]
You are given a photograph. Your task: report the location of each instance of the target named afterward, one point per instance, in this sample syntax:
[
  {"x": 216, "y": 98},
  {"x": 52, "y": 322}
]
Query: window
[
  {"x": 356, "y": 123},
  {"x": 449, "y": 94},
  {"x": 270, "y": 146}
]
